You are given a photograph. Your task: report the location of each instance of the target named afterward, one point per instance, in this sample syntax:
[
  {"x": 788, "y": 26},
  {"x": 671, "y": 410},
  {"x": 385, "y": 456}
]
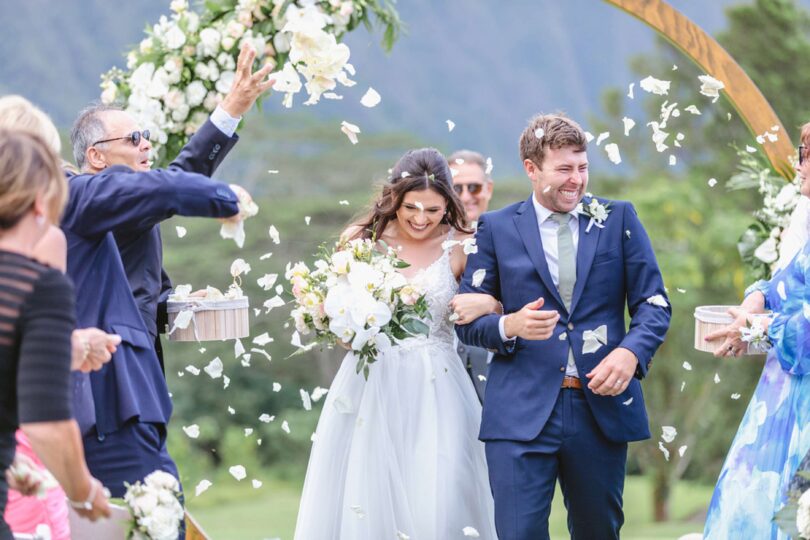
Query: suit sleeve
[
  {"x": 120, "y": 199},
  {"x": 483, "y": 332},
  {"x": 648, "y": 322},
  {"x": 205, "y": 150}
]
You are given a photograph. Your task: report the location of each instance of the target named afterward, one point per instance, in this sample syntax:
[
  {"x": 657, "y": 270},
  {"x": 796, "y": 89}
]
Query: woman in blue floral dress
[{"x": 774, "y": 434}]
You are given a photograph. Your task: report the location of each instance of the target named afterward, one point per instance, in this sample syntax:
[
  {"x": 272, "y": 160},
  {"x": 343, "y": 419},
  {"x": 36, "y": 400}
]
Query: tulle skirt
[{"x": 397, "y": 457}]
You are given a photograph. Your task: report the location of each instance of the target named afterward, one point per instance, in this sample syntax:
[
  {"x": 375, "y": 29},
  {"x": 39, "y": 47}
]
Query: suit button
[
  {"x": 217, "y": 148},
  {"x": 101, "y": 437},
  {"x": 562, "y": 368},
  {"x": 570, "y": 326}
]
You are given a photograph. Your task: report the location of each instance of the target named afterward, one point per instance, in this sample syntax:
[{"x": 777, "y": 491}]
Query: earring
[{"x": 40, "y": 219}]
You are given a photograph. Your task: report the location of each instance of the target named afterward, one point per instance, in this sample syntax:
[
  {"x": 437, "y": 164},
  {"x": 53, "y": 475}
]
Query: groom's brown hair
[{"x": 558, "y": 131}]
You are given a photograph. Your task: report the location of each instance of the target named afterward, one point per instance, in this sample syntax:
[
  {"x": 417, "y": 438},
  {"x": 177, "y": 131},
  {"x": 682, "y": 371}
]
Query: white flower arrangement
[
  {"x": 184, "y": 66},
  {"x": 760, "y": 244},
  {"x": 803, "y": 515},
  {"x": 356, "y": 296},
  {"x": 155, "y": 507},
  {"x": 595, "y": 210},
  {"x": 756, "y": 335}
]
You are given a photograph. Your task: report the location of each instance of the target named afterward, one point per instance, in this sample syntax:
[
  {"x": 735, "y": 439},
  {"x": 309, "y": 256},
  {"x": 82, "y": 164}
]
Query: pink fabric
[{"x": 23, "y": 514}]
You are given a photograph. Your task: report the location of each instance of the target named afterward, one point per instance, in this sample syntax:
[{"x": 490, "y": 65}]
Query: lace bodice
[{"x": 439, "y": 285}]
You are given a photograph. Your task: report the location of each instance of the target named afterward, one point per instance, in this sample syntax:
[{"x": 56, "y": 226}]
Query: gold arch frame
[{"x": 707, "y": 53}]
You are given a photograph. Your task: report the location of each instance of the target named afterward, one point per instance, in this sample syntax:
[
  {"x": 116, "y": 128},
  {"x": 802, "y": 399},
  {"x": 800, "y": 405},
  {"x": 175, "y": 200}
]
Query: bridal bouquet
[
  {"x": 356, "y": 296},
  {"x": 186, "y": 63},
  {"x": 155, "y": 507}
]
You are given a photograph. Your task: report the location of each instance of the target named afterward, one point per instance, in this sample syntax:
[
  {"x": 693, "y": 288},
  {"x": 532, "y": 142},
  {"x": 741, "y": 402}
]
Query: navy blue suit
[
  {"x": 534, "y": 431},
  {"x": 130, "y": 391}
]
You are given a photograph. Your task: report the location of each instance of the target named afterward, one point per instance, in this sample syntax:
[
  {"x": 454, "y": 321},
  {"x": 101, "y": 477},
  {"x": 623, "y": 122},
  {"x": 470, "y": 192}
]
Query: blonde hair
[
  {"x": 28, "y": 167},
  {"x": 804, "y": 138},
  {"x": 16, "y": 112},
  {"x": 556, "y": 131}
]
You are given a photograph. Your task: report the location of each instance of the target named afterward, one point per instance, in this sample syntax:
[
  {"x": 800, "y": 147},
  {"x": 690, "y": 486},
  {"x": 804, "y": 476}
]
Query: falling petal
[
  {"x": 692, "y": 109},
  {"x": 716, "y": 378},
  {"x": 267, "y": 281},
  {"x": 655, "y": 86},
  {"x": 628, "y": 402},
  {"x": 612, "y": 150},
  {"x": 350, "y": 130},
  {"x": 488, "y": 170},
  {"x": 285, "y": 427},
  {"x": 265, "y": 418},
  {"x": 238, "y": 472},
  {"x": 602, "y": 136},
  {"x": 263, "y": 339},
  {"x": 181, "y": 231},
  {"x": 202, "y": 487},
  {"x": 248, "y": 432},
  {"x": 214, "y": 368},
  {"x": 450, "y": 125},
  {"x": 712, "y": 182},
  {"x": 682, "y": 450},
  {"x": 470, "y": 532},
  {"x": 238, "y": 348},
  {"x": 193, "y": 370},
  {"x": 663, "y": 450},
  {"x": 630, "y": 91},
  {"x": 371, "y": 98},
  {"x": 539, "y": 132},
  {"x": 687, "y": 366},
  {"x": 256, "y": 483},
  {"x": 305, "y": 398},
  {"x": 668, "y": 433},
  {"x": 735, "y": 396},
  {"x": 276, "y": 387},
  {"x": 628, "y": 125},
  {"x": 193, "y": 431},
  {"x": 318, "y": 393}
]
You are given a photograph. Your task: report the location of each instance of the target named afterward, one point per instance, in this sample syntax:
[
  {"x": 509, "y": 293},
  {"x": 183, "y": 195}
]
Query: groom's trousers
[{"x": 571, "y": 448}]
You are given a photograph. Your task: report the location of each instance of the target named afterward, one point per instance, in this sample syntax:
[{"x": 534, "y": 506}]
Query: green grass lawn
[{"x": 231, "y": 511}]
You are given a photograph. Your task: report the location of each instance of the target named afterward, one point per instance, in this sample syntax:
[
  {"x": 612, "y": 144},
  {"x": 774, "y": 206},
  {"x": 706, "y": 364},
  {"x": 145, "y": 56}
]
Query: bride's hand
[
  {"x": 469, "y": 306},
  {"x": 732, "y": 345},
  {"x": 345, "y": 345}
]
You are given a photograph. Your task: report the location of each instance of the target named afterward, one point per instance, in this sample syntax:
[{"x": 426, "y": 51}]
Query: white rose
[
  {"x": 211, "y": 101},
  {"x": 213, "y": 70},
  {"x": 235, "y": 29},
  {"x": 146, "y": 46},
  {"x": 142, "y": 76},
  {"x": 788, "y": 196},
  {"x": 145, "y": 502},
  {"x": 281, "y": 42},
  {"x": 178, "y": 6},
  {"x": 227, "y": 43},
  {"x": 201, "y": 71},
  {"x": 180, "y": 113},
  {"x": 132, "y": 60},
  {"x": 174, "y": 38},
  {"x": 195, "y": 92},
  {"x": 225, "y": 81},
  {"x": 162, "y": 480},
  {"x": 109, "y": 92},
  {"x": 245, "y": 18},
  {"x": 162, "y": 524},
  {"x": 209, "y": 42},
  {"x": 159, "y": 86},
  {"x": 192, "y": 22},
  {"x": 226, "y": 61},
  {"x": 174, "y": 99}
]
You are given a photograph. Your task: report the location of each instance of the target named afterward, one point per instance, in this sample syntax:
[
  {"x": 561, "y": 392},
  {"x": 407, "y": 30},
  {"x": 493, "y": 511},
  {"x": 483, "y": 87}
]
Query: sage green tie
[
  {"x": 566, "y": 272},
  {"x": 566, "y": 259}
]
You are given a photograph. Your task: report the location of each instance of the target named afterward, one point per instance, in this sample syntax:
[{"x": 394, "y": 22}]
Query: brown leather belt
[{"x": 572, "y": 382}]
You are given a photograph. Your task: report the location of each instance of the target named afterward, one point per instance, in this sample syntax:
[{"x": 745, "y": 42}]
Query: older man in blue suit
[
  {"x": 564, "y": 397},
  {"x": 115, "y": 260}
]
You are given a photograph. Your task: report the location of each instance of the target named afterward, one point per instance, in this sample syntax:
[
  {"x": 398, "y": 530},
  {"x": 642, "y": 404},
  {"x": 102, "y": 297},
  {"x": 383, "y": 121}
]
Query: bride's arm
[{"x": 469, "y": 306}]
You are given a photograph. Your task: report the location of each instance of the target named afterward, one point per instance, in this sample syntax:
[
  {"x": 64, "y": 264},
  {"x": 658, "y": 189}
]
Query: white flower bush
[
  {"x": 356, "y": 295},
  {"x": 185, "y": 65},
  {"x": 155, "y": 507}
]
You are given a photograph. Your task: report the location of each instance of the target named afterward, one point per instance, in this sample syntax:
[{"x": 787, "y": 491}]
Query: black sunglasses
[
  {"x": 803, "y": 151},
  {"x": 473, "y": 188},
  {"x": 134, "y": 138}
]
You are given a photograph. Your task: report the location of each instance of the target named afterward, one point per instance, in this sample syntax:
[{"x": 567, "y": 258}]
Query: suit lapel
[
  {"x": 526, "y": 223},
  {"x": 586, "y": 249}
]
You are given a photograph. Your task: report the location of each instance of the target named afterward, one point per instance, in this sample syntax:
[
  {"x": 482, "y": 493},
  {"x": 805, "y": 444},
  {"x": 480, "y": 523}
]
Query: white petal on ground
[
  {"x": 202, "y": 487},
  {"x": 371, "y": 98},
  {"x": 716, "y": 378},
  {"x": 780, "y": 289},
  {"x": 267, "y": 281},
  {"x": 613, "y": 154},
  {"x": 682, "y": 450},
  {"x": 668, "y": 433},
  {"x": 276, "y": 387},
  {"x": 478, "y": 277},
  {"x": 193, "y": 431},
  {"x": 181, "y": 231},
  {"x": 539, "y": 132},
  {"x": 193, "y": 370},
  {"x": 658, "y": 300},
  {"x": 263, "y": 339},
  {"x": 305, "y": 399},
  {"x": 470, "y": 532},
  {"x": 214, "y": 368},
  {"x": 285, "y": 427},
  {"x": 687, "y": 366},
  {"x": 628, "y": 402},
  {"x": 238, "y": 472},
  {"x": 735, "y": 396},
  {"x": 655, "y": 86},
  {"x": 350, "y": 130},
  {"x": 663, "y": 450},
  {"x": 256, "y": 483},
  {"x": 318, "y": 393},
  {"x": 628, "y": 125},
  {"x": 238, "y": 348},
  {"x": 274, "y": 302},
  {"x": 630, "y": 90},
  {"x": 450, "y": 125},
  {"x": 602, "y": 136},
  {"x": 712, "y": 182},
  {"x": 274, "y": 235}
]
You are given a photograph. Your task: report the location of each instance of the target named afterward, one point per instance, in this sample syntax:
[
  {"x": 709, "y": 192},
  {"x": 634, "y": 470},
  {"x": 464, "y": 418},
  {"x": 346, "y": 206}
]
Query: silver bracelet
[{"x": 88, "y": 504}]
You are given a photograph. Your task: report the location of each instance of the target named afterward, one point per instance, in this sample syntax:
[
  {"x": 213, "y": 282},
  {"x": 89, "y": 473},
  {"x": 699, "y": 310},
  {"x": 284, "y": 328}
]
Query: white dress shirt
[
  {"x": 224, "y": 122},
  {"x": 548, "y": 234}
]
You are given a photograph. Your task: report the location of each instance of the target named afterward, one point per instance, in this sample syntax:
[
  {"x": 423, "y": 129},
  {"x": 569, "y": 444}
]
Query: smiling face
[
  {"x": 562, "y": 180},
  {"x": 420, "y": 213},
  {"x": 475, "y": 187},
  {"x": 123, "y": 152}
]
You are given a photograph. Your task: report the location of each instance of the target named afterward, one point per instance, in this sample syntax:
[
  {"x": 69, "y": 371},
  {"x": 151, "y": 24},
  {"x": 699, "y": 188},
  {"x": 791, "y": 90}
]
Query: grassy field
[{"x": 231, "y": 511}]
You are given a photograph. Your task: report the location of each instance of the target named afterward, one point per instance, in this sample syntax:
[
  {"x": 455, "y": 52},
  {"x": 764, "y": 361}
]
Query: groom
[{"x": 563, "y": 396}]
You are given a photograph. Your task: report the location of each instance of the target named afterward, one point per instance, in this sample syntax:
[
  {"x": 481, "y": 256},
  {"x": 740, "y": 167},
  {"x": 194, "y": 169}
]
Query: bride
[{"x": 397, "y": 456}]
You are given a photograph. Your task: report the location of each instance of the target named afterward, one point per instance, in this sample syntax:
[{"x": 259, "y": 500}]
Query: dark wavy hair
[{"x": 417, "y": 170}]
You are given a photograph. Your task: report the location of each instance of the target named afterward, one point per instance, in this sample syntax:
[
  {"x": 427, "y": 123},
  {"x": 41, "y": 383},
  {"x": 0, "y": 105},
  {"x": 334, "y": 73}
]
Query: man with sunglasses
[
  {"x": 115, "y": 261},
  {"x": 473, "y": 185}
]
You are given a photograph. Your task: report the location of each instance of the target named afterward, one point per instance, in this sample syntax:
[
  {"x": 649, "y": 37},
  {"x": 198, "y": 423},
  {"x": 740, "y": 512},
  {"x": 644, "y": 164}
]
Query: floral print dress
[{"x": 774, "y": 434}]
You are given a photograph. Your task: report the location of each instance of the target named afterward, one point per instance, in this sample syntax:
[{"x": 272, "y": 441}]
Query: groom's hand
[
  {"x": 247, "y": 85},
  {"x": 613, "y": 374},
  {"x": 531, "y": 322}
]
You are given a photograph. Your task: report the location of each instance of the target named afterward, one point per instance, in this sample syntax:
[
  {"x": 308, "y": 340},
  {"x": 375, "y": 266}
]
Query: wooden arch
[{"x": 702, "y": 49}]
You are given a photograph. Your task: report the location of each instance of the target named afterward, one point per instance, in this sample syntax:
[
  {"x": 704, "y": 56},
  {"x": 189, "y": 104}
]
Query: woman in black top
[{"x": 36, "y": 321}]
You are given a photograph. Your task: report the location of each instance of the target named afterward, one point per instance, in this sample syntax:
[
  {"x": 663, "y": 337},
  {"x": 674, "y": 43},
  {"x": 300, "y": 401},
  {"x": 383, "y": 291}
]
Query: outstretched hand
[
  {"x": 247, "y": 86},
  {"x": 613, "y": 374}
]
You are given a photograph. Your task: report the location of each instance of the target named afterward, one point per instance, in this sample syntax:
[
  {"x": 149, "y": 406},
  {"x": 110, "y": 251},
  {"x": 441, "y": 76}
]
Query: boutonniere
[{"x": 595, "y": 210}]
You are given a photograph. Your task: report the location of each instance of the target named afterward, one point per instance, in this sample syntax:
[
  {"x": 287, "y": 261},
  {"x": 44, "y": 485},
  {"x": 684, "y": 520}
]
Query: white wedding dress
[{"x": 397, "y": 457}]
